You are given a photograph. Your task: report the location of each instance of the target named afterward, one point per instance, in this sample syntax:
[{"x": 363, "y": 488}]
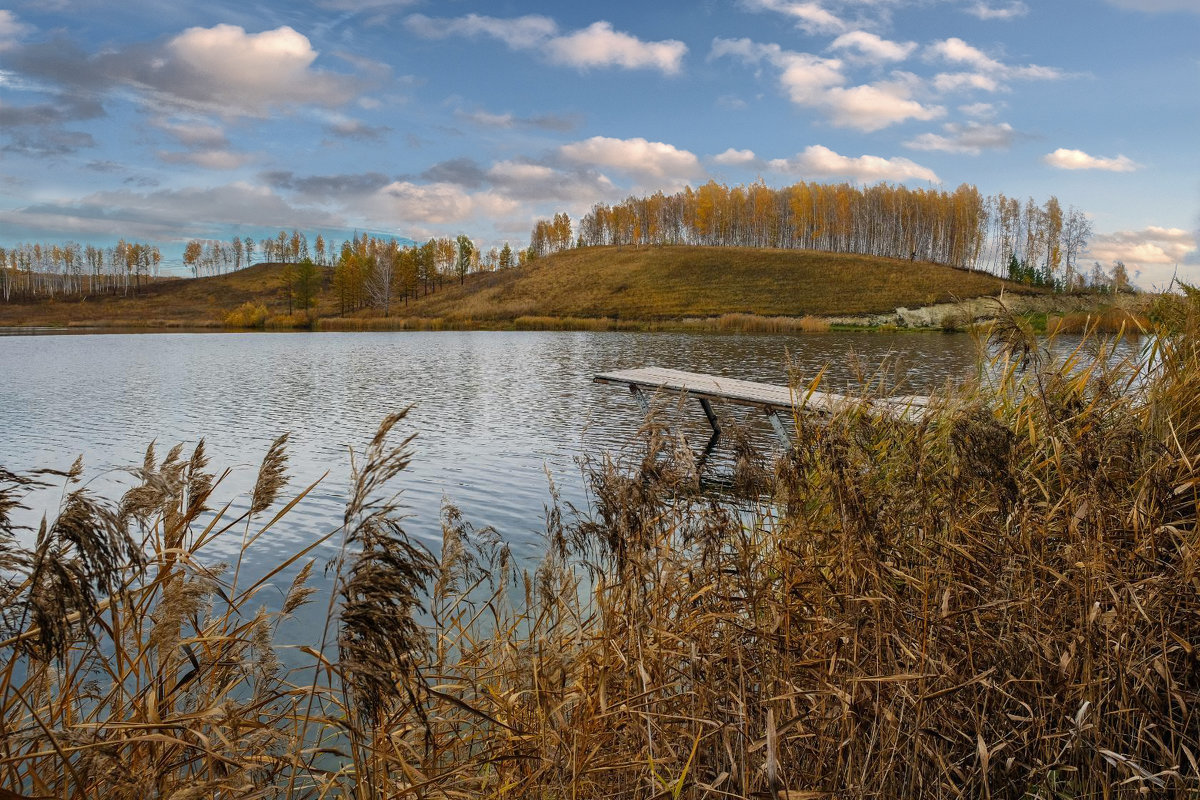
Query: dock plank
[{"x": 764, "y": 395}]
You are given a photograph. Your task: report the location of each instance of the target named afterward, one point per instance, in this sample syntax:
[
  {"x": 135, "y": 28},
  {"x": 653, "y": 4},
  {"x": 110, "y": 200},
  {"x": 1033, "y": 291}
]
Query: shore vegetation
[{"x": 997, "y": 600}]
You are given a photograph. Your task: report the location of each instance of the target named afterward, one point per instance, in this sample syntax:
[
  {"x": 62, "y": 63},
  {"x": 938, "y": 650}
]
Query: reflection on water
[{"x": 493, "y": 411}]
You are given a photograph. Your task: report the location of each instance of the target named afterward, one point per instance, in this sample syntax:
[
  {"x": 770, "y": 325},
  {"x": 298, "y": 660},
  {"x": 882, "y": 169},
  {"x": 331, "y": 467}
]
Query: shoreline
[{"x": 1042, "y": 311}]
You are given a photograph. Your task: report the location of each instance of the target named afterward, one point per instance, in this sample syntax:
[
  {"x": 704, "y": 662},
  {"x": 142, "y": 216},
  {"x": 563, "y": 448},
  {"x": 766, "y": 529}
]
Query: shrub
[{"x": 247, "y": 315}]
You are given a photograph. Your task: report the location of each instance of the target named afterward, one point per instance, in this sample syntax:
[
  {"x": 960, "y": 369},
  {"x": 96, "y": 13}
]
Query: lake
[{"x": 494, "y": 412}]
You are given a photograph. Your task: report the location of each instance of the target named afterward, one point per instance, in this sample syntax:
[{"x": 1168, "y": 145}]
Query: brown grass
[
  {"x": 648, "y": 286},
  {"x": 654, "y": 283},
  {"x": 201, "y": 302},
  {"x": 998, "y": 600},
  {"x": 1101, "y": 321}
]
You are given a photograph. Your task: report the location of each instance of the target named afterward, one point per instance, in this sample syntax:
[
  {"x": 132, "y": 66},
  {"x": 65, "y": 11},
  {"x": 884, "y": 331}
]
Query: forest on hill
[{"x": 1031, "y": 244}]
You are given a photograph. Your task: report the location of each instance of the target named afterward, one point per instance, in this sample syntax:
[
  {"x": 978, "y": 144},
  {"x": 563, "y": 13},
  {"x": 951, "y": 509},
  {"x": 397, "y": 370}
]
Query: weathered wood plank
[{"x": 768, "y": 396}]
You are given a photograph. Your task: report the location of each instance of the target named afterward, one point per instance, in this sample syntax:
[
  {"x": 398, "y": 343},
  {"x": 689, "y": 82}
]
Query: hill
[
  {"x": 650, "y": 284},
  {"x": 179, "y": 302},
  {"x": 657, "y": 283}
]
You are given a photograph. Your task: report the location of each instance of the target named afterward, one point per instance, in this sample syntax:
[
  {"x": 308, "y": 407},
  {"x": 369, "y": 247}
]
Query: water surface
[{"x": 494, "y": 412}]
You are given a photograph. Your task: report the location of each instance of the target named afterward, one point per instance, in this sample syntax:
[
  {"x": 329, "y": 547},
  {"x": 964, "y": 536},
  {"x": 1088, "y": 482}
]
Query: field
[{"x": 593, "y": 287}]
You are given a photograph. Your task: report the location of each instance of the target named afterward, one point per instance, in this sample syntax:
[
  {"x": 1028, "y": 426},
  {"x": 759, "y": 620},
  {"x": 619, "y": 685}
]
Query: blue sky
[{"x": 165, "y": 120}]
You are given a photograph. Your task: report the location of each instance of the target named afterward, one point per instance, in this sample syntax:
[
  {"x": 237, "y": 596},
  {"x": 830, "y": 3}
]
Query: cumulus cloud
[
  {"x": 597, "y": 45},
  {"x": 222, "y": 70},
  {"x": 819, "y": 161},
  {"x": 873, "y": 47},
  {"x": 811, "y": 17},
  {"x": 971, "y": 138},
  {"x": 874, "y": 106},
  {"x": 735, "y": 158},
  {"x": 637, "y": 157},
  {"x": 1062, "y": 158},
  {"x": 232, "y": 72},
  {"x": 1151, "y": 245},
  {"x": 816, "y": 82},
  {"x": 1006, "y": 12},
  {"x": 1153, "y": 254},
  {"x": 433, "y": 204}
]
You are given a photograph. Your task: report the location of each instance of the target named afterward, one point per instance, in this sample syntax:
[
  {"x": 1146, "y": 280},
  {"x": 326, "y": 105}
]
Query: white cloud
[
  {"x": 820, "y": 161},
  {"x": 971, "y": 138},
  {"x": 1152, "y": 245},
  {"x": 817, "y": 82},
  {"x": 433, "y": 203},
  {"x": 960, "y": 81},
  {"x": 956, "y": 51},
  {"x": 872, "y": 107},
  {"x": 872, "y": 47},
  {"x": 597, "y": 45},
  {"x": 1062, "y": 158},
  {"x": 637, "y": 157},
  {"x": 978, "y": 110},
  {"x": 11, "y": 29},
  {"x": 810, "y": 17},
  {"x": 983, "y": 72},
  {"x": 986, "y": 12},
  {"x": 225, "y": 70},
  {"x": 735, "y": 158},
  {"x": 1152, "y": 254}
]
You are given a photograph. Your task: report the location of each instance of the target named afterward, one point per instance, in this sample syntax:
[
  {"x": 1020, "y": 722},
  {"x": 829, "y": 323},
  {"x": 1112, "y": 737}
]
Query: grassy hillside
[
  {"x": 673, "y": 282},
  {"x": 648, "y": 284},
  {"x": 201, "y": 302}
]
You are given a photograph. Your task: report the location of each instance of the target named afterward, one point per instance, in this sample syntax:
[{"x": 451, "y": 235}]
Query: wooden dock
[{"x": 769, "y": 397}]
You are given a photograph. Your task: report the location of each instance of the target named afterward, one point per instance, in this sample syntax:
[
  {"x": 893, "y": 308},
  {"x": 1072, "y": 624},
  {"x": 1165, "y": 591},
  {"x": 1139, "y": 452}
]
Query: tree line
[
  {"x": 367, "y": 271},
  {"x": 960, "y": 228},
  {"x": 374, "y": 272},
  {"x": 50, "y": 269}
]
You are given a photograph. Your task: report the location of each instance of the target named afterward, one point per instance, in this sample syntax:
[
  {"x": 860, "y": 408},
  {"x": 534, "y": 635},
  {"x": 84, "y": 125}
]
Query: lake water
[{"x": 494, "y": 411}]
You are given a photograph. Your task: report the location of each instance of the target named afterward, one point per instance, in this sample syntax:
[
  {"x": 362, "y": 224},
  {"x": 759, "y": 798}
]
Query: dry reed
[{"x": 999, "y": 600}]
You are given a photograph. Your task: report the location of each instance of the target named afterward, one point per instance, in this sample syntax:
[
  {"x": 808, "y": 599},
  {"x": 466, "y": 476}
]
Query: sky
[{"x": 168, "y": 120}]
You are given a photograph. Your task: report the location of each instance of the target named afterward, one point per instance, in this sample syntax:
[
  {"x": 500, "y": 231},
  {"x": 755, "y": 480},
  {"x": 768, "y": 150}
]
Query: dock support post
[
  {"x": 637, "y": 392},
  {"x": 716, "y": 427},
  {"x": 780, "y": 431}
]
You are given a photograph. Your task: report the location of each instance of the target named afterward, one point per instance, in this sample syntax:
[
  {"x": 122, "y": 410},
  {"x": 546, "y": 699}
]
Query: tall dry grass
[{"x": 1001, "y": 599}]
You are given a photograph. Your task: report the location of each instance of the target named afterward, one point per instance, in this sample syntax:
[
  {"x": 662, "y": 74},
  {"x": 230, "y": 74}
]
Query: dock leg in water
[
  {"x": 716, "y": 426},
  {"x": 780, "y": 431}
]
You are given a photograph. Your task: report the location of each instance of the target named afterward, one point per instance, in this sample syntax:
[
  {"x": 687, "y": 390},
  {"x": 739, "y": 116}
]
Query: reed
[
  {"x": 1000, "y": 600},
  {"x": 754, "y": 323},
  {"x": 380, "y": 324},
  {"x": 1103, "y": 321}
]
